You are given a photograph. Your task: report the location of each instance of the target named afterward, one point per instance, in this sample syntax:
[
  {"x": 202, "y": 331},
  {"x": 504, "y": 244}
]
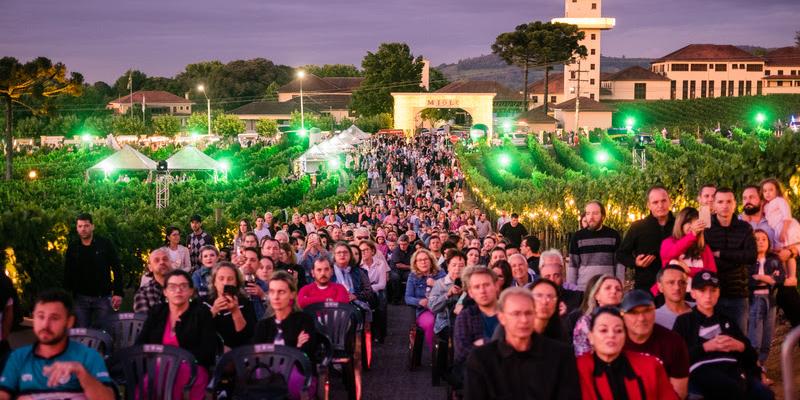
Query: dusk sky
[{"x": 102, "y": 38}]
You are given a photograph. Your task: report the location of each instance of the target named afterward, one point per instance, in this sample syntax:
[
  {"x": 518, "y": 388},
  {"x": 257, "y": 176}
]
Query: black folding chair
[
  {"x": 339, "y": 322},
  {"x": 416, "y": 339},
  {"x": 255, "y": 367},
  {"x": 124, "y": 328},
  {"x": 442, "y": 356},
  {"x": 149, "y": 370},
  {"x": 93, "y": 338}
]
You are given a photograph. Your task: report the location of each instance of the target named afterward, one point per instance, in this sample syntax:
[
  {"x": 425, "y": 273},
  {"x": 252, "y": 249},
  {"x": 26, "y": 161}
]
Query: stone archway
[{"x": 407, "y": 105}]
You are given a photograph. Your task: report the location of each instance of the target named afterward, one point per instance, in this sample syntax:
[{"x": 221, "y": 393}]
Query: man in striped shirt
[{"x": 592, "y": 250}]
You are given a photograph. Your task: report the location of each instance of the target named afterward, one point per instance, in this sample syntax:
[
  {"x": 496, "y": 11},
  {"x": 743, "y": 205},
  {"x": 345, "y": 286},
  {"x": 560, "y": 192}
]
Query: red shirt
[
  {"x": 648, "y": 371},
  {"x": 310, "y": 294},
  {"x": 668, "y": 347}
]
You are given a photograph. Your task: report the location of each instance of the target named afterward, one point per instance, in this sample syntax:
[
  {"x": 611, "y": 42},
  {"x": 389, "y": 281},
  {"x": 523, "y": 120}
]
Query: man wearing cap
[
  {"x": 196, "y": 239},
  {"x": 672, "y": 281},
  {"x": 722, "y": 362},
  {"x": 645, "y": 336}
]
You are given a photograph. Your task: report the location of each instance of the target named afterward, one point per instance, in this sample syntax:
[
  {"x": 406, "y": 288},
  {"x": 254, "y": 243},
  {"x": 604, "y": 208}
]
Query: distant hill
[{"x": 491, "y": 67}]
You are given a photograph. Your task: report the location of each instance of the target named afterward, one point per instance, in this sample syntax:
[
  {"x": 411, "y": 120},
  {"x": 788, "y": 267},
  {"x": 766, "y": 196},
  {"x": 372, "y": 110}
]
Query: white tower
[{"x": 586, "y": 14}]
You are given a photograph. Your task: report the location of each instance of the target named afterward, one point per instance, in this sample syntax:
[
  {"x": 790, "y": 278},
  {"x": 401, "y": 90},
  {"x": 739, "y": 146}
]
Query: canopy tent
[
  {"x": 126, "y": 158},
  {"x": 192, "y": 159},
  {"x": 356, "y": 132}
]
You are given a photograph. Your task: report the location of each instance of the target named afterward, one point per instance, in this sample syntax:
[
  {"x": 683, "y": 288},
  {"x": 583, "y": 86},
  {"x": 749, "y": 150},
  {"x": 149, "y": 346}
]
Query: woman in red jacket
[
  {"x": 687, "y": 247},
  {"x": 609, "y": 373}
]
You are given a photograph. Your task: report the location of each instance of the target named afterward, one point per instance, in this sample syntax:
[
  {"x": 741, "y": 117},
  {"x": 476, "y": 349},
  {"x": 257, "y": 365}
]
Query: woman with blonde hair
[
  {"x": 424, "y": 273},
  {"x": 607, "y": 291}
]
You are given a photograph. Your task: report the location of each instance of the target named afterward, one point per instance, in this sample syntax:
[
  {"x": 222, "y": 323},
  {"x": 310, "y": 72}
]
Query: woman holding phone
[
  {"x": 234, "y": 317},
  {"x": 687, "y": 247}
]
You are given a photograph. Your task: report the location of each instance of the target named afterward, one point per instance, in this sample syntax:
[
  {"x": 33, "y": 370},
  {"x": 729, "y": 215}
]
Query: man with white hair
[
  {"x": 551, "y": 267},
  {"x": 523, "y": 276}
]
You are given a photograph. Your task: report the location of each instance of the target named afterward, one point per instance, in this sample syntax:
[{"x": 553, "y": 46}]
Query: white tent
[
  {"x": 126, "y": 158},
  {"x": 355, "y": 131},
  {"x": 192, "y": 159}
]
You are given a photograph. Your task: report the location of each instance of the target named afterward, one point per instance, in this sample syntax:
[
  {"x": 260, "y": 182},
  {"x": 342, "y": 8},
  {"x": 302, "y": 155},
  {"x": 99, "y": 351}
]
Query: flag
[{"x": 130, "y": 79}]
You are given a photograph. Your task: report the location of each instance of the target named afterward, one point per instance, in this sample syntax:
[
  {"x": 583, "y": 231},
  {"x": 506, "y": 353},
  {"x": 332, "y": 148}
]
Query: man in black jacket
[
  {"x": 734, "y": 249},
  {"x": 88, "y": 266},
  {"x": 521, "y": 365},
  {"x": 641, "y": 248}
]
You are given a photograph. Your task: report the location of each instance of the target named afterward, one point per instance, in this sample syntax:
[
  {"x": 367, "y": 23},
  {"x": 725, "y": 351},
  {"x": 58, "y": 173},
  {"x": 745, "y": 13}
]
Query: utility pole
[{"x": 578, "y": 79}]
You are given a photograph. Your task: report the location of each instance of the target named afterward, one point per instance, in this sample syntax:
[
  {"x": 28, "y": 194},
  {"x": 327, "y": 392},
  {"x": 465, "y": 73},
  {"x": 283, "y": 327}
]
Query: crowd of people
[{"x": 698, "y": 317}]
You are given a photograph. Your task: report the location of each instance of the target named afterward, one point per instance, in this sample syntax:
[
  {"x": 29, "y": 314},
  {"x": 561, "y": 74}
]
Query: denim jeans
[
  {"x": 88, "y": 306},
  {"x": 736, "y": 309},
  {"x": 761, "y": 325}
]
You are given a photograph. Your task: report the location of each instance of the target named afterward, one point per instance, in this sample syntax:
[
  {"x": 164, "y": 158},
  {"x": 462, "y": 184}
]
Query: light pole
[
  {"x": 300, "y": 75},
  {"x": 202, "y": 89}
]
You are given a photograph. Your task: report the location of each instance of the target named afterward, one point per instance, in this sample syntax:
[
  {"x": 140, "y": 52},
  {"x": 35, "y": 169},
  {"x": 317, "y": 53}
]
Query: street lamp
[
  {"x": 300, "y": 75},
  {"x": 202, "y": 89}
]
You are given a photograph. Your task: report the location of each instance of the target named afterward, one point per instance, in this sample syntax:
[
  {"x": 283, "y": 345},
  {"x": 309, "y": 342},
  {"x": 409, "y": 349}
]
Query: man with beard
[
  {"x": 54, "y": 364},
  {"x": 322, "y": 289},
  {"x": 787, "y": 297},
  {"x": 592, "y": 250},
  {"x": 89, "y": 265},
  {"x": 152, "y": 293}
]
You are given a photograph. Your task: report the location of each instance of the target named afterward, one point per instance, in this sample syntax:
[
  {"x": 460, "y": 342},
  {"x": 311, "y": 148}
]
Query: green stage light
[
  {"x": 507, "y": 126},
  {"x": 302, "y": 132},
  {"x": 87, "y": 137},
  {"x": 601, "y": 157},
  {"x": 504, "y": 160},
  {"x": 333, "y": 164},
  {"x": 761, "y": 118},
  {"x": 224, "y": 165}
]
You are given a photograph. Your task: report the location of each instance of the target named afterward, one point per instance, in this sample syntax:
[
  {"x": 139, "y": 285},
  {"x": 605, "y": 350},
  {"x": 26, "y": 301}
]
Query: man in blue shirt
[{"x": 53, "y": 364}]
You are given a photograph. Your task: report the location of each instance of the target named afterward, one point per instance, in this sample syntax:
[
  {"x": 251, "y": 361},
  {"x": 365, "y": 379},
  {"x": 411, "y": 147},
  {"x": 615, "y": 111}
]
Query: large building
[
  {"x": 582, "y": 78},
  {"x": 156, "y": 101}
]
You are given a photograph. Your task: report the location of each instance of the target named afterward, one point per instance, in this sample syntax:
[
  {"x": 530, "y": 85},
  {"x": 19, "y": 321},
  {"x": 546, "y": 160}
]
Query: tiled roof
[
  {"x": 555, "y": 85},
  {"x": 152, "y": 96},
  {"x": 636, "y": 73},
  {"x": 783, "y": 57},
  {"x": 317, "y": 104},
  {"x": 709, "y": 52},
  {"x": 504, "y": 93},
  {"x": 345, "y": 83},
  {"x": 536, "y": 116},
  {"x": 587, "y": 104}
]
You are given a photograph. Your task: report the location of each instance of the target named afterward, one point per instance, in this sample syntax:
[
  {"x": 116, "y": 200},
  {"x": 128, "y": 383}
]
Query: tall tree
[
  {"x": 137, "y": 79},
  {"x": 333, "y": 70},
  {"x": 539, "y": 44},
  {"x": 797, "y": 38},
  {"x": 32, "y": 85},
  {"x": 392, "y": 68}
]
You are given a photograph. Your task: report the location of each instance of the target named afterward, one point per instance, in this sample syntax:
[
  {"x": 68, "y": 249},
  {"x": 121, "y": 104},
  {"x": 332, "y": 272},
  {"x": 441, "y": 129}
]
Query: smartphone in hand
[{"x": 705, "y": 215}]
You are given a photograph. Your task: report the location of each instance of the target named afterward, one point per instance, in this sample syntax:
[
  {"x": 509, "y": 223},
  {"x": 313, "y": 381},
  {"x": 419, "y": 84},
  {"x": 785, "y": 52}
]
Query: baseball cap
[
  {"x": 705, "y": 278},
  {"x": 636, "y": 298}
]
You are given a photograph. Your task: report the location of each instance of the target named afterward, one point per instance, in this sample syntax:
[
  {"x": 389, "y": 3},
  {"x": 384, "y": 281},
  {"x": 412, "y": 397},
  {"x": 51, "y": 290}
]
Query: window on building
[
  {"x": 639, "y": 91},
  {"x": 685, "y": 91},
  {"x": 759, "y": 86},
  {"x": 593, "y": 36},
  {"x": 749, "y": 88},
  {"x": 692, "y": 89},
  {"x": 723, "y": 90},
  {"x": 721, "y": 67},
  {"x": 591, "y": 81},
  {"x": 741, "y": 66},
  {"x": 535, "y": 99},
  {"x": 710, "y": 88},
  {"x": 780, "y": 83},
  {"x": 755, "y": 67},
  {"x": 592, "y": 51},
  {"x": 703, "y": 89},
  {"x": 741, "y": 88},
  {"x": 699, "y": 67},
  {"x": 735, "y": 66},
  {"x": 780, "y": 72},
  {"x": 594, "y": 6},
  {"x": 552, "y": 99},
  {"x": 766, "y": 73},
  {"x": 673, "y": 88},
  {"x": 591, "y": 67},
  {"x": 591, "y": 96},
  {"x": 680, "y": 67}
]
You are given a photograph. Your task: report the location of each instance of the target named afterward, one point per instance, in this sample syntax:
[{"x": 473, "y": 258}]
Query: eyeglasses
[{"x": 177, "y": 287}]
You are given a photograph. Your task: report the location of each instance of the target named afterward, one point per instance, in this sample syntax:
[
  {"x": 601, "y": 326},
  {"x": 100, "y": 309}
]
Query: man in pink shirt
[{"x": 322, "y": 289}]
